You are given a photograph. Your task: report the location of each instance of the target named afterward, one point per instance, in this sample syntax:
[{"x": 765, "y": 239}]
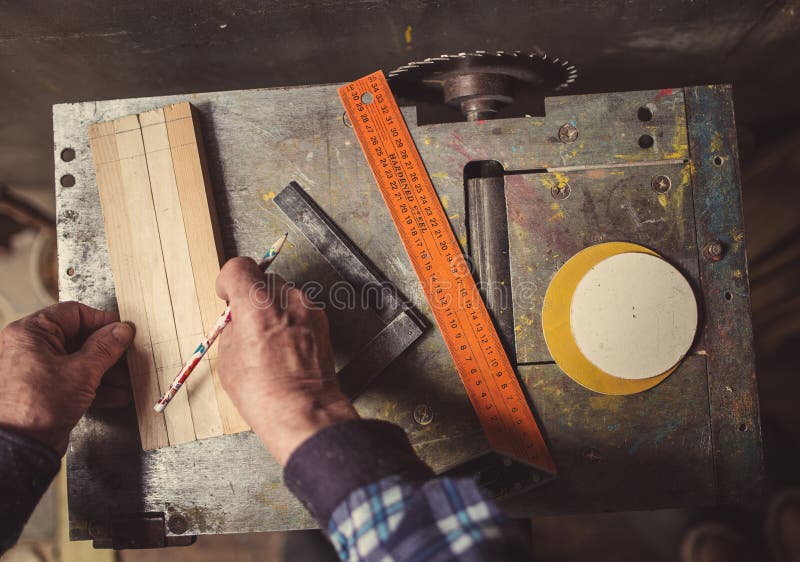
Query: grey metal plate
[
  {"x": 604, "y": 205},
  {"x": 257, "y": 141},
  {"x": 605, "y": 447}
]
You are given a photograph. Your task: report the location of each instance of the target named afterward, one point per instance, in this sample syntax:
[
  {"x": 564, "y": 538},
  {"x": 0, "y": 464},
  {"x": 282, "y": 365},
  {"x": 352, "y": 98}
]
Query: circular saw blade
[{"x": 424, "y": 80}]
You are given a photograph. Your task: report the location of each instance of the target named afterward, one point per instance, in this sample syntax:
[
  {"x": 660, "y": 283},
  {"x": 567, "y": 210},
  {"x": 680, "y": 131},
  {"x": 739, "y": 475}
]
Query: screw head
[
  {"x": 714, "y": 250},
  {"x": 661, "y": 184},
  {"x": 561, "y": 191},
  {"x": 592, "y": 455},
  {"x": 177, "y": 524},
  {"x": 98, "y": 530},
  {"x": 568, "y": 133},
  {"x": 346, "y": 120},
  {"x": 423, "y": 414}
]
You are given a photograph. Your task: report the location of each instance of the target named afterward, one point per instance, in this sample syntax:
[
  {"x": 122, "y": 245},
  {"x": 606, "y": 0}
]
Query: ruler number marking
[{"x": 422, "y": 224}]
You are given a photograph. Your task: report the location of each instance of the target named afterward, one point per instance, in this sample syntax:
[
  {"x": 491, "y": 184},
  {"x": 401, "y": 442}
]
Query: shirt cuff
[
  {"x": 336, "y": 460},
  {"x": 26, "y": 470}
]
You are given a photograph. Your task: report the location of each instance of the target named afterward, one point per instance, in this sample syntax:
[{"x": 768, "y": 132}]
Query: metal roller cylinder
[{"x": 479, "y": 95}]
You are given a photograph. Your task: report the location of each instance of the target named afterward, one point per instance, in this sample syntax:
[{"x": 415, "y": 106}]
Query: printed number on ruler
[{"x": 479, "y": 357}]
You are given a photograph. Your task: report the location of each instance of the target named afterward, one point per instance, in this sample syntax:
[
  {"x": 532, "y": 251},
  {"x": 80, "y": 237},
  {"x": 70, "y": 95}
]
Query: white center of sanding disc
[{"x": 633, "y": 315}]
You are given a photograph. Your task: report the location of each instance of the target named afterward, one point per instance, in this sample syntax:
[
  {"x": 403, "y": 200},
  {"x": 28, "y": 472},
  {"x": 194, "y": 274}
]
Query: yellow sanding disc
[{"x": 558, "y": 332}]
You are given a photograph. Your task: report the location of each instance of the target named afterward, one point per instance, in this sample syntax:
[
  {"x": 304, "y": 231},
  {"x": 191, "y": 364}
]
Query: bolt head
[
  {"x": 423, "y": 414},
  {"x": 177, "y": 524},
  {"x": 98, "y": 530},
  {"x": 561, "y": 191},
  {"x": 714, "y": 250},
  {"x": 568, "y": 133},
  {"x": 592, "y": 455},
  {"x": 661, "y": 184}
]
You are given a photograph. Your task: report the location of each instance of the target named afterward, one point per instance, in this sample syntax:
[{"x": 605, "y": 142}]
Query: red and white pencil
[{"x": 222, "y": 321}]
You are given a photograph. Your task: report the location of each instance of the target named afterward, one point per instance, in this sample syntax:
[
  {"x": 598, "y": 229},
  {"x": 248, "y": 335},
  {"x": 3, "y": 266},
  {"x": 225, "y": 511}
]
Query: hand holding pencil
[
  {"x": 276, "y": 360},
  {"x": 209, "y": 339}
]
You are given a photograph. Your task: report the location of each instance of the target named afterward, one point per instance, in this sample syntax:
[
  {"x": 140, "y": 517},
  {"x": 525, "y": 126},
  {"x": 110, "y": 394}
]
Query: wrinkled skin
[
  {"x": 52, "y": 364},
  {"x": 276, "y": 360}
]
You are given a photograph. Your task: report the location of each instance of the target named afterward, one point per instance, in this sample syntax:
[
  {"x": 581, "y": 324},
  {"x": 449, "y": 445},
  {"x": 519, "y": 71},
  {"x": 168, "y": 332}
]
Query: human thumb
[{"x": 104, "y": 348}]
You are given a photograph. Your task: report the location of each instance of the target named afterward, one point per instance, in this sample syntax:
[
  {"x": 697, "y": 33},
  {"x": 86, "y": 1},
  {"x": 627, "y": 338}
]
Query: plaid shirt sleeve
[{"x": 380, "y": 503}]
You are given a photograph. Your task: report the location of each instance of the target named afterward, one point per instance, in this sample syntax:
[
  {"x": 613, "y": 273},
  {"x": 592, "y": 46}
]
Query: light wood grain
[
  {"x": 149, "y": 261},
  {"x": 180, "y": 277},
  {"x": 200, "y": 221},
  {"x": 130, "y": 299},
  {"x": 165, "y": 252}
]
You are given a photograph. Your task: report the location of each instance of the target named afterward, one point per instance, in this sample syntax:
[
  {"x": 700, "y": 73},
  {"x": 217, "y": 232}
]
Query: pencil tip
[{"x": 279, "y": 244}]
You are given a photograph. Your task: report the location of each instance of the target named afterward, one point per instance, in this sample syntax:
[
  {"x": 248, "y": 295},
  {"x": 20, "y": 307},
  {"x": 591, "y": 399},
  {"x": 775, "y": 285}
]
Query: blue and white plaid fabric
[{"x": 444, "y": 519}]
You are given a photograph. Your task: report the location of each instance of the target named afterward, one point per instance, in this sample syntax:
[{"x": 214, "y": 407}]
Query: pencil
[{"x": 222, "y": 321}]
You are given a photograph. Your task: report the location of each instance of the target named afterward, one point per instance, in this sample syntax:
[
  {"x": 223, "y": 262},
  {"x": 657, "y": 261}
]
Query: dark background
[{"x": 52, "y": 52}]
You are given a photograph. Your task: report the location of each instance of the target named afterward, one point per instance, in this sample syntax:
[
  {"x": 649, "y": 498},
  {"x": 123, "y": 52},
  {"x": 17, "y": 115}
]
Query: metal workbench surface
[{"x": 694, "y": 439}]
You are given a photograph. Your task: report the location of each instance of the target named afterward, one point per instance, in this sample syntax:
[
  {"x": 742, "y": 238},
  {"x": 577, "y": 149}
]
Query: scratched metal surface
[
  {"x": 604, "y": 205},
  {"x": 656, "y": 443},
  {"x": 732, "y": 387},
  {"x": 258, "y": 140}
]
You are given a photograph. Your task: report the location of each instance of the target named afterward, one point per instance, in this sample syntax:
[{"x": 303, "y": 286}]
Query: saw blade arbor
[{"x": 480, "y": 83}]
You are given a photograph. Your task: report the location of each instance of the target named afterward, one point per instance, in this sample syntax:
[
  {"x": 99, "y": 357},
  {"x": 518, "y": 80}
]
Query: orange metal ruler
[{"x": 471, "y": 338}]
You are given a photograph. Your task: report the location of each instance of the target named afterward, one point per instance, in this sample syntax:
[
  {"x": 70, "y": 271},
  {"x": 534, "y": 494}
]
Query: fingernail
[{"x": 123, "y": 332}]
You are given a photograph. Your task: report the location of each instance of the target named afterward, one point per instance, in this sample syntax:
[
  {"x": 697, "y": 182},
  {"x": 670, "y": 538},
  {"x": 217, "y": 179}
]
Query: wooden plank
[
  {"x": 130, "y": 300},
  {"x": 178, "y": 267},
  {"x": 200, "y": 220},
  {"x": 149, "y": 260}
]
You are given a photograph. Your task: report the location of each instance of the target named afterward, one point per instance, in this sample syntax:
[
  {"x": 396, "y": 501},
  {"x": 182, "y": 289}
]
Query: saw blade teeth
[{"x": 550, "y": 69}]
